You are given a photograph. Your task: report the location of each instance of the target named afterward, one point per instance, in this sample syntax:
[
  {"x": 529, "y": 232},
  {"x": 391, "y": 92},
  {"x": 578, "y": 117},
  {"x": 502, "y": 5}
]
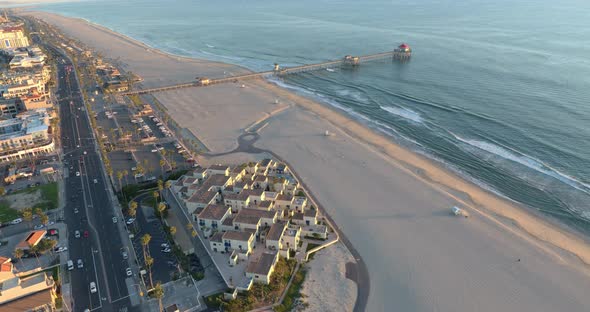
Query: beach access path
[{"x": 392, "y": 204}]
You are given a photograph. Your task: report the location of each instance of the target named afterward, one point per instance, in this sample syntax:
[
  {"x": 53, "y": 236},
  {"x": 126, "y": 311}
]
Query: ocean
[{"x": 498, "y": 91}]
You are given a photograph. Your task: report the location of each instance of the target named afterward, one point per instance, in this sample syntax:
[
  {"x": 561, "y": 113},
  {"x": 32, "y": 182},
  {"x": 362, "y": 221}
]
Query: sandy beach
[{"x": 392, "y": 204}]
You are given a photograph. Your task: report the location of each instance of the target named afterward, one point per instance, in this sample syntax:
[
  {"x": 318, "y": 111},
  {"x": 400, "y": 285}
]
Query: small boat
[{"x": 330, "y": 70}]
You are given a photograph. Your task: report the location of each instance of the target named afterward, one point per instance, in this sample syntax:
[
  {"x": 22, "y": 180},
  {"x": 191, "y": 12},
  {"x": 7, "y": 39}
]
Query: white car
[
  {"x": 165, "y": 245},
  {"x": 77, "y": 234},
  {"x": 114, "y": 219},
  {"x": 39, "y": 226},
  {"x": 16, "y": 221},
  {"x": 92, "y": 287},
  {"x": 80, "y": 264},
  {"x": 130, "y": 221},
  {"x": 154, "y": 150},
  {"x": 128, "y": 272},
  {"x": 95, "y": 181},
  {"x": 166, "y": 250},
  {"x": 85, "y": 152},
  {"x": 77, "y": 173},
  {"x": 61, "y": 249}
]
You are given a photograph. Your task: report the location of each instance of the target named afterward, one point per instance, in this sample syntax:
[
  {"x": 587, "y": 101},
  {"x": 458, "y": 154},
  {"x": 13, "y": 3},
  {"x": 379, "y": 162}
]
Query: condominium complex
[{"x": 26, "y": 135}]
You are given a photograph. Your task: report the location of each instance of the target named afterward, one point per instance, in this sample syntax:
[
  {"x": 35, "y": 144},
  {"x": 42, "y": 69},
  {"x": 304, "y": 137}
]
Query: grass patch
[
  {"x": 293, "y": 293},
  {"x": 7, "y": 214},
  {"x": 149, "y": 201},
  {"x": 177, "y": 174},
  {"x": 311, "y": 246},
  {"x": 215, "y": 300}
]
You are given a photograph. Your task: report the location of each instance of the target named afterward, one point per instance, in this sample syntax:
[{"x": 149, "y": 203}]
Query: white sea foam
[
  {"x": 355, "y": 95},
  {"x": 209, "y": 46},
  {"x": 403, "y": 112},
  {"x": 525, "y": 160}
]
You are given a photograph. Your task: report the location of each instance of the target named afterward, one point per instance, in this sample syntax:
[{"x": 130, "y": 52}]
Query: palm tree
[
  {"x": 167, "y": 184},
  {"x": 120, "y": 177},
  {"x": 2, "y": 191},
  {"x": 126, "y": 174},
  {"x": 38, "y": 212},
  {"x": 35, "y": 251},
  {"x": 149, "y": 261},
  {"x": 161, "y": 209},
  {"x": 44, "y": 219},
  {"x": 132, "y": 209},
  {"x": 162, "y": 163},
  {"x": 173, "y": 231},
  {"x": 145, "y": 241},
  {"x": 156, "y": 195},
  {"x": 18, "y": 254},
  {"x": 158, "y": 293},
  {"x": 28, "y": 215}
]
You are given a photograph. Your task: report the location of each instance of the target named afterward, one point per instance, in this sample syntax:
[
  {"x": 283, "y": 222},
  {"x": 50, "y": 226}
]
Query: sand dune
[{"x": 392, "y": 204}]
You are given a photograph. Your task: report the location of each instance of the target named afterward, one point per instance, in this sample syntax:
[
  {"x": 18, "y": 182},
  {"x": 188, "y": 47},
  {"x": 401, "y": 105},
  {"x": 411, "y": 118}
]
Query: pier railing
[{"x": 346, "y": 61}]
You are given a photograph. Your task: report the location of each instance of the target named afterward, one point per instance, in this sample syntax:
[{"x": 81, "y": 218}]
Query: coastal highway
[{"x": 88, "y": 208}]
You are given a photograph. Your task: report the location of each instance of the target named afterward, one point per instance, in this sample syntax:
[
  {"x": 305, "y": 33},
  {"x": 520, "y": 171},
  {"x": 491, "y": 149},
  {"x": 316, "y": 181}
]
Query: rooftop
[
  {"x": 213, "y": 212},
  {"x": 217, "y": 237},
  {"x": 263, "y": 265},
  {"x": 253, "y": 216},
  {"x": 240, "y": 236},
  {"x": 276, "y": 231}
]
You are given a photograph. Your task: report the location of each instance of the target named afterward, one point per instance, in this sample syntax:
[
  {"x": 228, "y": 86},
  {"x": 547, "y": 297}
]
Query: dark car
[{"x": 85, "y": 233}]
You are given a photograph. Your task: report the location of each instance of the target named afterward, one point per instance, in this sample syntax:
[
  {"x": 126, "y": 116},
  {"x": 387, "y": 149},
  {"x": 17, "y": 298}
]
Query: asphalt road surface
[{"x": 88, "y": 206}]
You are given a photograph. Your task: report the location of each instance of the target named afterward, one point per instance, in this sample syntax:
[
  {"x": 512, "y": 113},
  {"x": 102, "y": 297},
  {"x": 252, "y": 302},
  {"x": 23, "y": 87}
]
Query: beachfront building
[
  {"x": 248, "y": 217},
  {"x": 28, "y": 57},
  {"x": 25, "y": 291},
  {"x": 274, "y": 235},
  {"x": 212, "y": 216},
  {"x": 24, "y": 136},
  {"x": 12, "y": 35},
  {"x": 261, "y": 270}
]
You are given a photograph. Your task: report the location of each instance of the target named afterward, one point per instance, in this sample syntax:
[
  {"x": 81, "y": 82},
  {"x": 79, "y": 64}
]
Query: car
[
  {"x": 80, "y": 264},
  {"x": 165, "y": 245},
  {"x": 128, "y": 272},
  {"x": 39, "y": 226},
  {"x": 95, "y": 181},
  {"x": 60, "y": 249},
  {"x": 138, "y": 175},
  {"x": 154, "y": 150},
  {"x": 92, "y": 287},
  {"x": 77, "y": 234},
  {"x": 85, "y": 153},
  {"x": 152, "y": 178},
  {"x": 52, "y": 232},
  {"x": 130, "y": 221},
  {"x": 166, "y": 250},
  {"x": 51, "y": 223},
  {"x": 77, "y": 173},
  {"x": 76, "y": 210},
  {"x": 85, "y": 233},
  {"x": 16, "y": 221},
  {"x": 124, "y": 255},
  {"x": 114, "y": 219},
  {"x": 133, "y": 168}
]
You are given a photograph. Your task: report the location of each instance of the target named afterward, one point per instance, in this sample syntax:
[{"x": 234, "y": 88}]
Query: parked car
[
  {"x": 80, "y": 264},
  {"x": 128, "y": 272},
  {"x": 77, "y": 234},
  {"x": 16, "y": 221},
  {"x": 92, "y": 287},
  {"x": 124, "y": 254},
  {"x": 166, "y": 250},
  {"x": 77, "y": 173},
  {"x": 130, "y": 221},
  {"x": 39, "y": 226},
  {"x": 114, "y": 219},
  {"x": 86, "y": 234},
  {"x": 52, "y": 232}
]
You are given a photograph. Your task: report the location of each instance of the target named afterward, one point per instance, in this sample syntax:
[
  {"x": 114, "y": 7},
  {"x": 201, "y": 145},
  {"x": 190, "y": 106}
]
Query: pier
[{"x": 402, "y": 53}]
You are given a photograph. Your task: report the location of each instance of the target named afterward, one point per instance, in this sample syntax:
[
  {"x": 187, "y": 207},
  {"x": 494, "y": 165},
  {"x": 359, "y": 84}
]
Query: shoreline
[{"x": 519, "y": 220}]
